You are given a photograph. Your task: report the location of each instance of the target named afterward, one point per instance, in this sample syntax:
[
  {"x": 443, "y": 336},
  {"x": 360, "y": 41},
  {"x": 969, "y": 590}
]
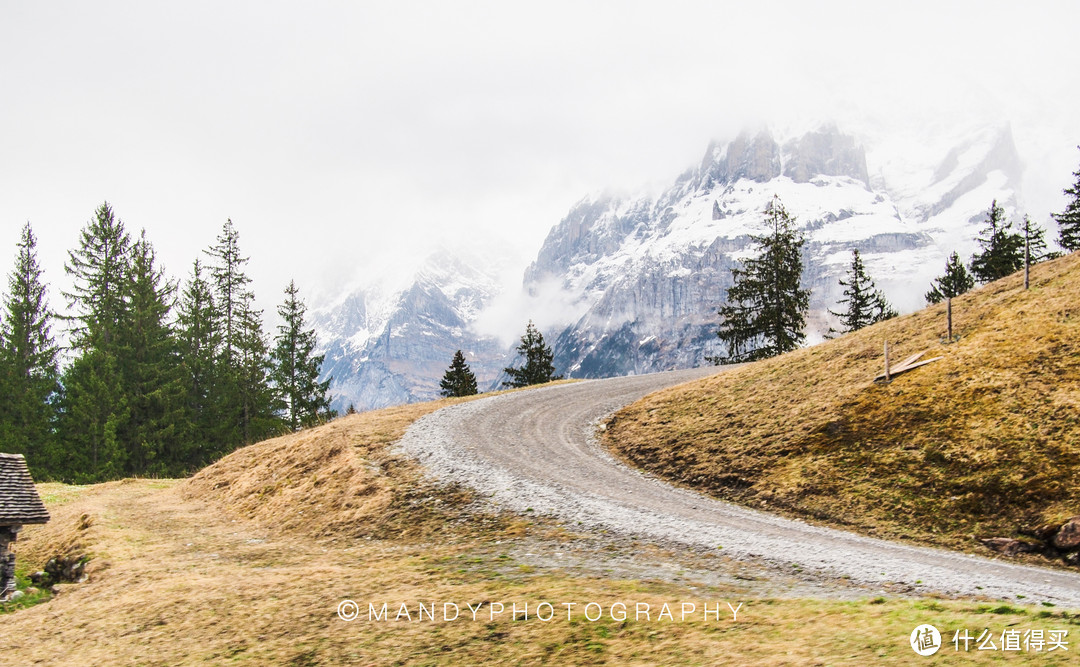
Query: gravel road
[{"x": 535, "y": 451}]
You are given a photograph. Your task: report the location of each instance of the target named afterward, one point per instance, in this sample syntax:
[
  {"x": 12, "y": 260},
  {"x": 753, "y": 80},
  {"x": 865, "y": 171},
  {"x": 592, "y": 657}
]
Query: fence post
[
  {"x": 948, "y": 315},
  {"x": 887, "y": 378}
]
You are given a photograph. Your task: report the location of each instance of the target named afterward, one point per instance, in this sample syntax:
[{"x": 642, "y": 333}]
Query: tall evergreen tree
[
  {"x": 296, "y": 367},
  {"x": 1069, "y": 219},
  {"x": 258, "y": 402},
  {"x": 93, "y": 413},
  {"x": 151, "y": 371},
  {"x": 28, "y": 361},
  {"x": 94, "y": 409},
  {"x": 246, "y": 402},
  {"x": 1002, "y": 249},
  {"x": 766, "y": 310},
  {"x": 458, "y": 379},
  {"x": 538, "y": 367},
  {"x": 953, "y": 283},
  {"x": 199, "y": 338},
  {"x": 231, "y": 290},
  {"x": 863, "y": 304},
  {"x": 99, "y": 269}
]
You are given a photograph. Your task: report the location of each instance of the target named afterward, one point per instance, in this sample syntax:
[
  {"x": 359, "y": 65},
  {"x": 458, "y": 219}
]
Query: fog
[{"x": 347, "y": 140}]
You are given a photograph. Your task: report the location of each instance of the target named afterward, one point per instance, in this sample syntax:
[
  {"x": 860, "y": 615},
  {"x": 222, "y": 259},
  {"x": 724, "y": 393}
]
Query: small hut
[{"x": 20, "y": 504}]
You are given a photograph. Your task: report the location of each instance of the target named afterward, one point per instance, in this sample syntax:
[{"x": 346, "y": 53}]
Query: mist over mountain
[
  {"x": 388, "y": 344},
  {"x": 652, "y": 270},
  {"x": 631, "y": 283}
]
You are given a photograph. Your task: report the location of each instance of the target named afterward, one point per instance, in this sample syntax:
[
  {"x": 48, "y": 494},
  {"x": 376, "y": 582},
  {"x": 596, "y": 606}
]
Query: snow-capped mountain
[
  {"x": 388, "y": 344},
  {"x": 651, "y": 271}
]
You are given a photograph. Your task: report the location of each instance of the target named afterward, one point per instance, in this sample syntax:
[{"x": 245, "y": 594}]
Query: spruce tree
[
  {"x": 99, "y": 269},
  {"x": 953, "y": 283},
  {"x": 28, "y": 362},
  {"x": 538, "y": 367},
  {"x": 93, "y": 413},
  {"x": 94, "y": 409},
  {"x": 766, "y": 310},
  {"x": 458, "y": 379},
  {"x": 296, "y": 367},
  {"x": 247, "y": 404},
  {"x": 150, "y": 366},
  {"x": 863, "y": 304},
  {"x": 1069, "y": 219},
  {"x": 1002, "y": 249},
  {"x": 199, "y": 339},
  {"x": 230, "y": 286}
]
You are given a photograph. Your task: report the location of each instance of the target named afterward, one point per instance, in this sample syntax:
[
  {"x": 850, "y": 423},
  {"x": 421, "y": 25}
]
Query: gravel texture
[{"x": 535, "y": 452}]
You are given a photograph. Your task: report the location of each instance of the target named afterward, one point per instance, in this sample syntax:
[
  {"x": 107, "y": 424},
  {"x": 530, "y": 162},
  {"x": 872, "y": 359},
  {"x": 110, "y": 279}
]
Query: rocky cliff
[{"x": 652, "y": 271}]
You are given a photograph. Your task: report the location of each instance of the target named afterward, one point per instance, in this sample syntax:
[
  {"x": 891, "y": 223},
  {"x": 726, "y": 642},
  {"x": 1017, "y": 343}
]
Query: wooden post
[
  {"x": 1027, "y": 253},
  {"x": 948, "y": 315},
  {"x": 887, "y": 378}
]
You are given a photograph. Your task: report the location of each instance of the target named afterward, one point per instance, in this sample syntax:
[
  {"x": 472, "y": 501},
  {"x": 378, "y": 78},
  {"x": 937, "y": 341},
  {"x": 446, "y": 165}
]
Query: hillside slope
[{"x": 985, "y": 442}]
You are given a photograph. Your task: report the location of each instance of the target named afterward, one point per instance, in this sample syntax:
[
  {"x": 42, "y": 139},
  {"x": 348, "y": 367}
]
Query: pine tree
[
  {"x": 1069, "y": 219},
  {"x": 1002, "y": 249},
  {"x": 99, "y": 269},
  {"x": 296, "y": 367},
  {"x": 458, "y": 379},
  {"x": 246, "y": 403},
  {"x": 230, "y": 286},
  {"x": 953, "y": 283},
  {"x": 151, "y": 370},
  {"x": 258, "y": 404},
  {"x": 199, "y": 339},
  {"x": 766, "y": 310},
  {"x": 864, "y": 303},
  {"x": 94, "y": 411},
  {"x": 538, "y": 367},
  {"x": 28, "y": 362}
]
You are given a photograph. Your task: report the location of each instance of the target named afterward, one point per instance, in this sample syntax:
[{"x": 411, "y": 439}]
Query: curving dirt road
[{"x": 534, "y": 451}]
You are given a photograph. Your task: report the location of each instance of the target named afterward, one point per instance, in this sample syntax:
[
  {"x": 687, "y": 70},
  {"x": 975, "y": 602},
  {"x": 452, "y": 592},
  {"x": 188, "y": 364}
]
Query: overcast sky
[{"x": 343, "y": 138}]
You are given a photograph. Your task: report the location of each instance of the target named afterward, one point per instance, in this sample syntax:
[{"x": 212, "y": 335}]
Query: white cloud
[{"x": 344, "y": 136}]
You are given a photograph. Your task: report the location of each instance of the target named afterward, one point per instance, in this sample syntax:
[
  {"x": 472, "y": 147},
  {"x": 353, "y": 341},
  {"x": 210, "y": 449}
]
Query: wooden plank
[
  {"x": 910, "y": 360},
  {"x": 897, "y": 371}
]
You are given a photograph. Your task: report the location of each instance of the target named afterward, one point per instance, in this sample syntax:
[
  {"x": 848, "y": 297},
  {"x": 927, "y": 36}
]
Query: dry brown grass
[
  {"x": 176, "y": 581},
  {"x": 339, "y": 479},
  {"x": 984, "y": 442},
  {"x": 247, "y": 562}
]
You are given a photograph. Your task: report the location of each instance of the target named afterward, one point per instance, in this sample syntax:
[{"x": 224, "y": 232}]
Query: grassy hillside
[
  {"x": 246, "y": 563},
  {"x": 985, "y": 442}
]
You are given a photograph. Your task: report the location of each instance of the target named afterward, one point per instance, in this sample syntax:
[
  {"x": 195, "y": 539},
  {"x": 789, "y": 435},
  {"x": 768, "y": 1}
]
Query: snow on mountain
[
  {"x": 649, "y": 272},
  {"x": 390, "y": 342}
]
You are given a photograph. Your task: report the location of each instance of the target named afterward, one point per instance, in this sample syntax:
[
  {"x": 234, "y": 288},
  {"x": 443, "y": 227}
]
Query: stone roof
[{"x": 19, "y": 500}]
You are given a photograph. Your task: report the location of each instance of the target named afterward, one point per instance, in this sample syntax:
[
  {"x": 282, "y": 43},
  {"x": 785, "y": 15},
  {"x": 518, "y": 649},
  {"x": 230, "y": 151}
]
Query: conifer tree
[
  {"x": 953, "y": 283},
  {"x": 99, "y": 269},
  {"x": 199, "y": 339},
  {"x": 93, "y": 412},
  {"x": 296, "y": 367},
  {"x": 863, "y": 303},
  {"x": 246, "y": 403},
  {"x": 458, "y": 379},
  {"x": 28, "y": 361},
  {"x": 538, "y": 367},
  {"x": 258, "y": 402},
  {"x": 766, "y": 310},
  {"x": 1069, "y": 219},
  {"x": 151, "y": 371},
  {"x": 1002, "y": 249},
  {"x": 94, "y": 409},
  {"x": 230, "y": 286}
]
